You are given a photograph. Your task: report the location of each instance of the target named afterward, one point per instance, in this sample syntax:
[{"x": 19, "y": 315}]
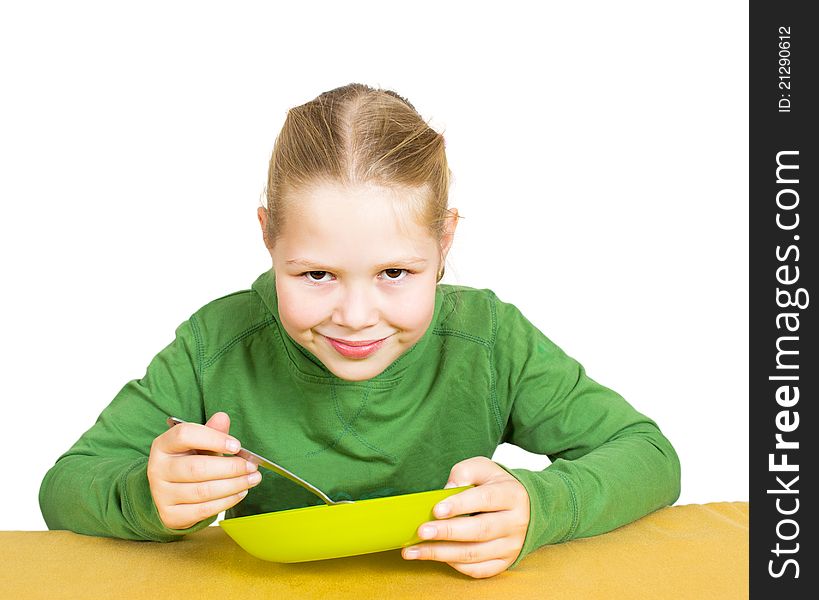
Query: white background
[{"x": 600, "y": 159}]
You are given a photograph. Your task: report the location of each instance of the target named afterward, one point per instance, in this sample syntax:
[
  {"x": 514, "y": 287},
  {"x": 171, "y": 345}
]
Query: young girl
[{"x": 351, "y": 365}]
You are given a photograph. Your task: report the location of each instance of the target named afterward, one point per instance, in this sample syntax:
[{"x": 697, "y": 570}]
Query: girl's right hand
[{"x": 189, "y": 478}]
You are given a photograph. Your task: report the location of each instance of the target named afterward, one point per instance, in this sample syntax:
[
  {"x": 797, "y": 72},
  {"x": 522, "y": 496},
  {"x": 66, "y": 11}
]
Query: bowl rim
[{"x": 290, "y": 511}]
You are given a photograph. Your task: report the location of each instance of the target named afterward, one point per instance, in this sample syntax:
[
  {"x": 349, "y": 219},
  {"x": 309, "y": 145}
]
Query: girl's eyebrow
[{"x": 315, "y": 266}]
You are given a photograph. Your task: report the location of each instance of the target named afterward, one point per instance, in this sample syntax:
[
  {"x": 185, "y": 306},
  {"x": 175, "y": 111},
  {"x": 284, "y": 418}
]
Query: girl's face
[{"x": 350, "y": 270}]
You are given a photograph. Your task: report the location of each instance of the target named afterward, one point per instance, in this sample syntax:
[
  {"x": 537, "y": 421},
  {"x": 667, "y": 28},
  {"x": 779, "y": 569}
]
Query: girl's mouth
[{"x": 355, "y": 349}]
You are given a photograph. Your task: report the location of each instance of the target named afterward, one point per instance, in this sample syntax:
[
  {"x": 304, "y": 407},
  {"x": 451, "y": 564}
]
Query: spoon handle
[{"x": 261, "y": 461}]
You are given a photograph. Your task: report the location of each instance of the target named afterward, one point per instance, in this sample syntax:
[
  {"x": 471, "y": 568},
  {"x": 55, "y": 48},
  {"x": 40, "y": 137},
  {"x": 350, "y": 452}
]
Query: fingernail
[
  {"x": 412, "y": 553},
  {"x": 232, "y": 445},
  {"x": 450, "y": 484},
  {"x": 251, "y": 467},
  {"x": 442, "y": 509},
  {"x": 254, "y": 477},
  {"x": 242, "y": 494},
  {"x": 427, "y": 531}
]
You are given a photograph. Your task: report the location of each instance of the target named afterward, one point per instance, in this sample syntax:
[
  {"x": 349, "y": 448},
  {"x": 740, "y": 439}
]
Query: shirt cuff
[
  {"x": 553, "y": 509},
  {"x": 141, "y": 512}
]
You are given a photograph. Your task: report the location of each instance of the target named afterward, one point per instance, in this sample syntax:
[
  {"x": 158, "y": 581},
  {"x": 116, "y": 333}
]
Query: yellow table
[{"x": 696, "y": 551}]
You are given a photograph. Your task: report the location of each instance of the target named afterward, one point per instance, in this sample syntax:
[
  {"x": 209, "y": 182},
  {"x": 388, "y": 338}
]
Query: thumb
[
  {"x": 219, "y": 421},
  {"x": 476, "y": 470}
]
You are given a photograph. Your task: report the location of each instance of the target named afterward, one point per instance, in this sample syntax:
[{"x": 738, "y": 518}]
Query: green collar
[{"x": 307, "y": 363}]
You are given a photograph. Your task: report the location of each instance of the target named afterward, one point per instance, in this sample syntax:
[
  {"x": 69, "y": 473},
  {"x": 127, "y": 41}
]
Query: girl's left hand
[{"x": 485, "y": 544}]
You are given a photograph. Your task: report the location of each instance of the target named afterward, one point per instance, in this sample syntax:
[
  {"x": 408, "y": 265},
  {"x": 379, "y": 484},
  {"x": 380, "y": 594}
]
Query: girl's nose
[{"x": 357, "y": 308}]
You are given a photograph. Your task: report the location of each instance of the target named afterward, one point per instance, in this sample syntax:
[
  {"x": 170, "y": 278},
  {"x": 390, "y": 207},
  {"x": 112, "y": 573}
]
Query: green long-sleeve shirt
[{"x": 481, "y": 375}]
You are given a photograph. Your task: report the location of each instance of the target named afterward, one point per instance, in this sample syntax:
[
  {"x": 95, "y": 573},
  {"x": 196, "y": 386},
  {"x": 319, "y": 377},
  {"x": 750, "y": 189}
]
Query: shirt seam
[
  {"x": 493, "y": 388},
  {"x": 200, "y": 354},
  {"x": 348, "y": 426},
  {"x": 238, "y": 338},
  {"x": 574, "y": 507},
  {"x": 127, "y": 505},
  {"x": 461, "y": 334}
]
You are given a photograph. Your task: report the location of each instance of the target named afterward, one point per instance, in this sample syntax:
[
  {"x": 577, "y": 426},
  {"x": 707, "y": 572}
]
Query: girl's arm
[
  {"x": 610, "y": 464},
  {"x": 100, "y": 486}
]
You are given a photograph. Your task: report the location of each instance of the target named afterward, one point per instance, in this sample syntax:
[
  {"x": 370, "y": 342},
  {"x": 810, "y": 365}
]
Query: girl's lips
[{"x": 359, "y": 350}]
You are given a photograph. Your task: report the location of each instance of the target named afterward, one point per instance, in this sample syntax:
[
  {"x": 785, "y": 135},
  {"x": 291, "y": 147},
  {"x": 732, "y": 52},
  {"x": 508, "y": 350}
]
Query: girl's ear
[
  {"x": 450, "y": 223},
  {"x": 261, "y": 214}
]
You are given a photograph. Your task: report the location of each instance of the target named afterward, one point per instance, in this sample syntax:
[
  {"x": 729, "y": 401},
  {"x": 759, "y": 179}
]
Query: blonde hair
[{"x": 356, "y": 134}]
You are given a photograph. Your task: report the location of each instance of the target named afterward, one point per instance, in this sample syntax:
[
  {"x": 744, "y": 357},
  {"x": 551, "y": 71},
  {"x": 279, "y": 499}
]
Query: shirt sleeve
[
  {"x": 610, "y": 465},
  {"x": 100, "y": 485}
]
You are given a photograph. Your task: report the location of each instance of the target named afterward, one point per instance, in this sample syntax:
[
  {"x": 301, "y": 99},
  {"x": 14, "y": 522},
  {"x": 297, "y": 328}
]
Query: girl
[{"x": 351, "y": 365}]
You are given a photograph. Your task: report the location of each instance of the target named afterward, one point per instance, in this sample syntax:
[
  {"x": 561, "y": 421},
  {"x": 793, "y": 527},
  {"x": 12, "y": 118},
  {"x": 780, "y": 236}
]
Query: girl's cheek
[
  {"x": 305, "y": 310},
  {"x": 302, "y": 315},
  {"x": 414, "y": 311}
]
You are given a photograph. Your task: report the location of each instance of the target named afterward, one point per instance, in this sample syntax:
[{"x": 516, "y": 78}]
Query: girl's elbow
[
  {"x": 673, "y": 473},
  {"x": 47, "y": 505}
]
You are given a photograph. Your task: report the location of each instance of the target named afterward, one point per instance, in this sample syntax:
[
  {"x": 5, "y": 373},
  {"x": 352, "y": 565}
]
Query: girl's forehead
[
  {"x": 357, "y": 223},
  {"x": 326, "y": 194},
  {"x": 376, "y": 210}
]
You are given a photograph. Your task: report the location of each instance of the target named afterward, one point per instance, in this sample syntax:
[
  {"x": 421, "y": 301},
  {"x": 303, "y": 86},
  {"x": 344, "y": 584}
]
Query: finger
[
  {"x": 481, "y": 570},
  {"x": 488, "y": 497},
  {"x": 199, "y": 467},
  {"x": 219, "y": 421},
  {"x": 192, "y": 436},
  {"x": 480, "y": 528},
  {"x": 476, "y": 470},
  {"x": 207, "y": 491},
  {"x": 187, "y": 515},
  {"x": 457, "y": 552}
]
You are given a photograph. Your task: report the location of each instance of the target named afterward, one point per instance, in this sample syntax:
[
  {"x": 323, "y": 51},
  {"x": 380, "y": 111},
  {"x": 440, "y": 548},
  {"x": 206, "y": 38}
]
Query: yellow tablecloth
[{"x": 697, "y": 551}]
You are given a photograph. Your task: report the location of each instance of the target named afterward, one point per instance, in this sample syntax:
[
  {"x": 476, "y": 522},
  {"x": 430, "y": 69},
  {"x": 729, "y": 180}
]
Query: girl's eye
[
  {"x": 319, "y": 276},
  {"x": 395, "y": 274}
]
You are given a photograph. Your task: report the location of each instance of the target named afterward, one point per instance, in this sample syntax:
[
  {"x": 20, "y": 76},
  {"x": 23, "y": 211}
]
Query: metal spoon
[{"x": 269, "y": 464}]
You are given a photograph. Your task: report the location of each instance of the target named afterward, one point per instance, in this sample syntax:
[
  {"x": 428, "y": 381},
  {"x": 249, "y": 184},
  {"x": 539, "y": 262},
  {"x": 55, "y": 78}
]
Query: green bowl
[{"x": 333, "y": 531}]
